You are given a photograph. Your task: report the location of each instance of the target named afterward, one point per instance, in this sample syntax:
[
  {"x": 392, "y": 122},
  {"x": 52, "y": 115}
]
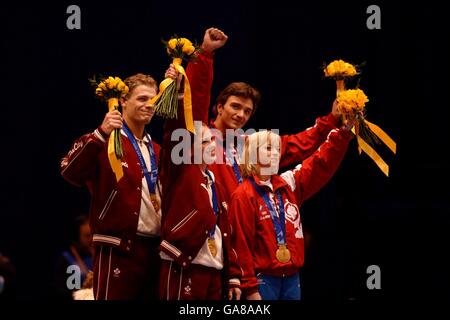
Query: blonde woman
[{"x": 264, "y": 213}]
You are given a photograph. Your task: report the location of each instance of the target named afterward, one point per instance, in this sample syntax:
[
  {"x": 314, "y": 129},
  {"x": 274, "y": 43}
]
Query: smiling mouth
[{"x": 148, "y": 112}]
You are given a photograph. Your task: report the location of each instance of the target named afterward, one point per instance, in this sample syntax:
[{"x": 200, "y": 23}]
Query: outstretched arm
[
  {"x": 297, "y": 147},
  {"x": 200, "y": 73},
  {"x": 310, "y": 176}
]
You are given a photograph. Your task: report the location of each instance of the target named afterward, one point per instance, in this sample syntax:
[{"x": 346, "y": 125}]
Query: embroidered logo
[
  {"x": 187, "y": 290},
  {"x": 116, "y": 273},
  {"x": 293, "y": 216},
  {"x": 124, "y": 164},
  {"x": 76, "y": 146}
]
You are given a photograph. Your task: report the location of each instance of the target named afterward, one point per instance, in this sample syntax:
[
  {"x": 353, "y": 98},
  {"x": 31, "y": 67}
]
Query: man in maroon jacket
[
  {"x": 234, "y": 107},
  {"x": 125, "y": 216}
]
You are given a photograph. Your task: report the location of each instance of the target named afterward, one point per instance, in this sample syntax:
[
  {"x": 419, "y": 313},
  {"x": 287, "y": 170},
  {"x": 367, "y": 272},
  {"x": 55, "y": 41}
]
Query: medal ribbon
[
  {"x": 232, "y": 159},
  {"x": 214, "y": 201},
  {"x": 152, "y": 176},
  {"x": 278, "y": 223}
]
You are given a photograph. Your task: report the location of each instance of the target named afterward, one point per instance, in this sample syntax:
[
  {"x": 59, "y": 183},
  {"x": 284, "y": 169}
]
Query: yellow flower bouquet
[
  {"x": 351, "y": 104},
  {"x": 340, "y": 71},
  {"x": 166, "y": 101},
  {"x": 110, "y": 90}
]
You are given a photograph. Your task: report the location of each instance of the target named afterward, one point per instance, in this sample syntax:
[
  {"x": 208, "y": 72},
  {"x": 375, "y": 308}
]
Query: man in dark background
[{"x": 360, "y": 219}]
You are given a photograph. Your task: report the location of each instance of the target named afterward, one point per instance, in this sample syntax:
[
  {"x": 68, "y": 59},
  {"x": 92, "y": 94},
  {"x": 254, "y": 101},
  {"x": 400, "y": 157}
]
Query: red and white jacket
[
  {"x": 115, "y": 207},
  {"x": 294, "y": 148},
  {"x": 254, "y": 237}
]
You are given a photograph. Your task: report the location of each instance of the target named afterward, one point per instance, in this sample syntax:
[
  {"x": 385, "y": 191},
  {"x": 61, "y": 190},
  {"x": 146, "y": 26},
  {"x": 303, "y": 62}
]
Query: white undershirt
[{"x": 149, "y": 223}]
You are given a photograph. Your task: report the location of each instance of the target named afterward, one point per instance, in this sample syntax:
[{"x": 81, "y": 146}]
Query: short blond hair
[
  {"x": 250, "y": 154},
  {"x": 140, "y": 79}
]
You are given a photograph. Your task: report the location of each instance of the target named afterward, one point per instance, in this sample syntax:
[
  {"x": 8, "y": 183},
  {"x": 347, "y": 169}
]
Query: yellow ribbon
[
  {"x": 116, "y": 164},
  {"x": 364, "y": 146},
  {"x": 383, "y": 136},
  {"x": 187, "y": 98}
]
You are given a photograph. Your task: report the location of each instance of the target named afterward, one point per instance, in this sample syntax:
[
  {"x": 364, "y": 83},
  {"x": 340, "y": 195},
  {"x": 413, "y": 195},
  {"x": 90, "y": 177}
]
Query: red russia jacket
[
  {"x": 115, "y": 207},
  {"x": 294, "y": 148},
  {"x": 254, "y": 236}
]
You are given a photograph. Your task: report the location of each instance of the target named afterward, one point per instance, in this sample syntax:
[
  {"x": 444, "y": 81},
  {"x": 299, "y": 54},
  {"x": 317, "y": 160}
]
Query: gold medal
[
  {"x": 155, "y": 202},
  {"x": 212, "y": 246},
  {"x": 283, "y": 255}
]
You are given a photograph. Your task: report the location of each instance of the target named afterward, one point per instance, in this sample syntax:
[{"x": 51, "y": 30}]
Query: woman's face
[
  {"x": 204, "y": 146},
  {"x": 269, "y": 155}
]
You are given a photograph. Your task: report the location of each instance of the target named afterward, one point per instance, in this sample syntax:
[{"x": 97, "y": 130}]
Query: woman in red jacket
[
  {"x": 264, "y": 213},
  {"x": 195, "y": 231}
]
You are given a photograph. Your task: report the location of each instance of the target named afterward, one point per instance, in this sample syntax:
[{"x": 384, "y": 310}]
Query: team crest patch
[
  {"x": 293, "y": 215},
  {"x": 291, "y": 210}
]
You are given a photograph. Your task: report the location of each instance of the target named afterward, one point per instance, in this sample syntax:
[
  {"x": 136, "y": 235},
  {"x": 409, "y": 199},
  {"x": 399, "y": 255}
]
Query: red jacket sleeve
[
  {"x": 242, "y": 219},
  {"x": 297, "y": 147},
  {"x": 310, "y": 176},
  {"x": 80, "y": 163},
  {"x": 200, "y": 74}
]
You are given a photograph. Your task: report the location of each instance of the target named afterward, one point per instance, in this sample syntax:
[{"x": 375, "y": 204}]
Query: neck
[
  {"x": 264, "y": 178},
  {"x": 220, "y": 126},
  {"x": 203, "y": 167},
  {"x": 136, "y": 128}
]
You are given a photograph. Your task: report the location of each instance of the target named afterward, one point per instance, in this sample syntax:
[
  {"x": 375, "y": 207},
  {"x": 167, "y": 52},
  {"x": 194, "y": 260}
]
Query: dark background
[{"x": 360, "y": 218}]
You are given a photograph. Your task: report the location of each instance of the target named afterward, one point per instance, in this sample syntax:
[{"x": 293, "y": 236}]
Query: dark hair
[
  {"x": 77, "y": 223},
  {"x": 239, "y": 89}
]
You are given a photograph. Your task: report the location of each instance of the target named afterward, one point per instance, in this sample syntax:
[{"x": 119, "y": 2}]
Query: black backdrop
[{"x": 360, "y": 218}]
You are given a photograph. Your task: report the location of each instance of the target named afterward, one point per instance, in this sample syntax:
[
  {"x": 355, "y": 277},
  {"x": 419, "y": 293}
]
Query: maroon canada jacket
[
  {"x": 115, "y": 207},
  {"x": 189, "y": 217}
]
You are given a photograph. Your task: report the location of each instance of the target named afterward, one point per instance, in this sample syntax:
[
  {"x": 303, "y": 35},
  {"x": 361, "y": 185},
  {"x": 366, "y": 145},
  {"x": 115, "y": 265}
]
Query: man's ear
[
  {"x": 219, "y": 108},
  {"x": 123, "y": 102}
]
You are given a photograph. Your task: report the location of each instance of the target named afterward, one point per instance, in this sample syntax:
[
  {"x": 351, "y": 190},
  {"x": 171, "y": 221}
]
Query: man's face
[
  {"x": 135, "y": 107},
  {"x": 236, "y": 112}
]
